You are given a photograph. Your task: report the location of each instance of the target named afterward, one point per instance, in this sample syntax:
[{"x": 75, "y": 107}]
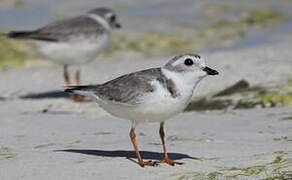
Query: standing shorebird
[
  {"x": 73, "y": 41},
  {"x": 152, "y": 95}
]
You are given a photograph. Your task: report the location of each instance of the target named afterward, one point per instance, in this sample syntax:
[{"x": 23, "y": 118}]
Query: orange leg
[
  {"x": 77, "y": 97},
  {"x": 74, "y": 97},
  {"x": 165, "y": 154},
  {"x": 66, "y": 75},
  {"x": 77, "y": 77},
  {"x": 141, "y": 162}
]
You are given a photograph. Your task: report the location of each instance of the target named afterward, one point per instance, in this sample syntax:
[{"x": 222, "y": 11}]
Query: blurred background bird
[{"x": 73, "y": 41}]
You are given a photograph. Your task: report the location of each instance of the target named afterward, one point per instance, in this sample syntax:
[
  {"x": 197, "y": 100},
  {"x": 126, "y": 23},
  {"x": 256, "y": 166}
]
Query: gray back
[{"x": 65, "y": 30}]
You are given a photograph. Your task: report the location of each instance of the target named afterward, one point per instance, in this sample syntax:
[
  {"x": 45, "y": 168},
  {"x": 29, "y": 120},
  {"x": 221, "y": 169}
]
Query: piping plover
[
  {"x": 152, "y": 95},
  {"x": 73, "y": 41}
]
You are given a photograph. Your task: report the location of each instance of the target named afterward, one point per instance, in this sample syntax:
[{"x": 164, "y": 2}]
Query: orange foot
[
  {"x": 148, "y": 163},
  {"x": 79, "y": 98},
  {"x": 170, "y": 162}
]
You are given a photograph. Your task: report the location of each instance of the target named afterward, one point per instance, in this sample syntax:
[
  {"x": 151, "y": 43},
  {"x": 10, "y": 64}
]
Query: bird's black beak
[
  {"x": 117, "y": 25},
  {"x": 210, "y": 71}
]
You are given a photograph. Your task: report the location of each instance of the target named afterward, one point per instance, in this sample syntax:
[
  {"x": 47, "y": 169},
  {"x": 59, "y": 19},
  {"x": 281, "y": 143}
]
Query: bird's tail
[
  {"x": 81, "y": 90},
  {"x": 19, "y": 34}
]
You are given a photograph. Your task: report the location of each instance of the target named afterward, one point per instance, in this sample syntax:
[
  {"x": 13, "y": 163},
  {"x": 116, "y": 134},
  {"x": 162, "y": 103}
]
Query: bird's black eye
[
  {"x": 189, "y": 62},
  {"x": 113, "y": 18}
]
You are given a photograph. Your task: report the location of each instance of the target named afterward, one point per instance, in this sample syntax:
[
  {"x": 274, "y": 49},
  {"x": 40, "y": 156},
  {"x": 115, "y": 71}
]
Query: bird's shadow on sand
[{"x": 128, "y": 154}]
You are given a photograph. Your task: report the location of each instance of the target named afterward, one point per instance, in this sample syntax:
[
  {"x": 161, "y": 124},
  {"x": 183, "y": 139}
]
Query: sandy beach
[
  {"x": 44, "y": 135},
  {"x": 54, "y": 138}
]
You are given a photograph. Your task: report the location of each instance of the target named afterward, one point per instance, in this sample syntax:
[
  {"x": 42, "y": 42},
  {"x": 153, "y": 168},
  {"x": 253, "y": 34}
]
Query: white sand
[{"x": 218, "y": 139}]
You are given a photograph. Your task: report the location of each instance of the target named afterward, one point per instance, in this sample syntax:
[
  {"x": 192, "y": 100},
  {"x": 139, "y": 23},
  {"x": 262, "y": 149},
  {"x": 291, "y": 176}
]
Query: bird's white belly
[
  {"x": 156, "y": 112},
  {"x": 73, "y": 52},
  {"x": 156, "y": 107}
]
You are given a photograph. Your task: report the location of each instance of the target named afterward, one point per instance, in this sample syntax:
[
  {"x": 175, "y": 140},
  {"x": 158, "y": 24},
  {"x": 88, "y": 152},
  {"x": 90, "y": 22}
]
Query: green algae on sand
[
  {"x": 6, "y": 153},
  {"x": 13, "y": 53},
  {"x": 190, "y": 39}
]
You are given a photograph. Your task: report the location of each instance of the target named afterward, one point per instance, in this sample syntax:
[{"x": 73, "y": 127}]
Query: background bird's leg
[
  {"x": 66, "y": 75},
  {"x": 77, "y": 97},
  {"x": 165, "y": 154},
  {"x": 77, "y": 77},
  {"x": 136, "y": 147}
]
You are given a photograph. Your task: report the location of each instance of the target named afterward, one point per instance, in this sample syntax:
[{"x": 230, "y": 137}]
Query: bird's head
[
  {"x": 107, "y": 14},
  {"x": 191, "y": 67}
]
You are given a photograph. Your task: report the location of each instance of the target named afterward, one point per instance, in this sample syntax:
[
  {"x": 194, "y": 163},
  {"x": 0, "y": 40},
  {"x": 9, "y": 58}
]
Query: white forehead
[{"x": 109, "y": 14}]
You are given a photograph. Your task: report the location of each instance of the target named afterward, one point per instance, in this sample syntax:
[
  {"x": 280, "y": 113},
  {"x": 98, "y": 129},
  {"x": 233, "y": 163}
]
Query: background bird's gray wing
[
  {"x": 129, "y": 89},
  {"x": 63, "y": 30}
]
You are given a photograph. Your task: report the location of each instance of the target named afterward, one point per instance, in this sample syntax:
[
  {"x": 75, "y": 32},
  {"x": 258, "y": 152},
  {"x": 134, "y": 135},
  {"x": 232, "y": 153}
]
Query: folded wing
[
  {"x": 62, "y": 30},
  {"x": 128, "y": 89}
]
